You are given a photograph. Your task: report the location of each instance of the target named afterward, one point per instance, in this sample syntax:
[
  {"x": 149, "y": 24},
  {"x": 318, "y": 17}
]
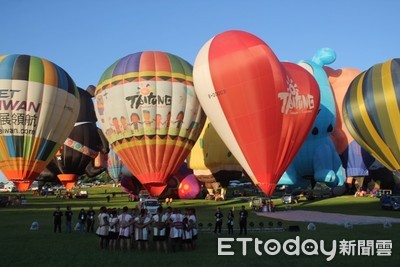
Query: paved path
[{"x": 324, "y": 217}]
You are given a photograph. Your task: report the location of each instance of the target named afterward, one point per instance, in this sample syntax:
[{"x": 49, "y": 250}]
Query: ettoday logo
[
  {"x": 291, "y": 247},
  {"x": 309, "y": 247}
]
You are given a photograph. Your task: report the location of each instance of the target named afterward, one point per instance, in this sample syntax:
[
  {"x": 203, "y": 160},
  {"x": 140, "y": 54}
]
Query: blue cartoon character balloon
[{"x": 317, "y": 160}]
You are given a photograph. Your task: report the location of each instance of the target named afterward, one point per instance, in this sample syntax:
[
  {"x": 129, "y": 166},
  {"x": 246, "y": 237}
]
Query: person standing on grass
[
  {"x": 90, "y": 220},
  {"x": 186, "y": 234},
  {"x": 243, "y": 214},
  {"x": 230, "y": 220},
  {"x": 125, "y": 222},
  {"x": 82, "y": 220},
  {"x": 103, "y": 228},
  {"x": 142, "y": 223},
  {"x": 176, "y": 219},
  {"x": 159, "y": 230},
  {"x": 114, "y": 230},
  {"x": 193, "y": 226},
  {"x": 218, "y": 221},
  {"x": 168, "y": 222},
  {"x": 68, "y": 219},
  {"x": 57, "y": 214}
]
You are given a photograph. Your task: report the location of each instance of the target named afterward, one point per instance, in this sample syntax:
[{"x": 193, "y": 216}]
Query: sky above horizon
[{"x": 86, "y": 37}]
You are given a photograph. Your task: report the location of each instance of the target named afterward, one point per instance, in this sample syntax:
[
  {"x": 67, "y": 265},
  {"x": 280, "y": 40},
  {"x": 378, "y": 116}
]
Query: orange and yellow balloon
[{"x": 150, "y": 114}]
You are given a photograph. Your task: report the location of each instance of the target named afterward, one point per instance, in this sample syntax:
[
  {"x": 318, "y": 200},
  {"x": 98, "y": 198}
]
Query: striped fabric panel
[
  {"x": 371, "y": 111},
  {"x": 142, "y": 65},
  {"x": 30, "y": 68},
  {"x": 15, "y": 148}
]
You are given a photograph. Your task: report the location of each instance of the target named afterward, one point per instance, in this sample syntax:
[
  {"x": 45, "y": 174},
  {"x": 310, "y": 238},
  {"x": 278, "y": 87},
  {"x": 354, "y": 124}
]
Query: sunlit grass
[{"x": 21, "y": 247}]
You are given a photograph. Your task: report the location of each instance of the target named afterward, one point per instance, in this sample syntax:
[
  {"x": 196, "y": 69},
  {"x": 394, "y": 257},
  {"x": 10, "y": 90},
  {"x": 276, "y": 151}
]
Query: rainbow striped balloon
[
  {"x": 371, "y": 112},
  {"x": 149, "y": 112},
  {"x": 39, "y": 104}
]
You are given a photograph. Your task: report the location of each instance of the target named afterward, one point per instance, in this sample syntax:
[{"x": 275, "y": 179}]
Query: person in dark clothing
[
  {"x": 57, "y": 219},
  {"x": 218, "y": 221},
  {"x": 68, "y": 219},
  {"x": 90, "y": 220},
  {"x": 243, "y": 214},
  {"x": 82, "y": 220},
  {"x": 230, "y": 219}
]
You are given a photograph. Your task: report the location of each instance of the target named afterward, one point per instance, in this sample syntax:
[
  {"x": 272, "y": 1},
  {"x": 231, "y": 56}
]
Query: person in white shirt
[
  {"x": 142, "y": 223},
  {"x": 176, "y": 229},
  {"x": 102, "y": 230},
  {"x": 159, "y": 230},
  {"x": 186, "y": 234},
  {"x": 113, "y": 230},
  {"x": 125, "y": 222}
]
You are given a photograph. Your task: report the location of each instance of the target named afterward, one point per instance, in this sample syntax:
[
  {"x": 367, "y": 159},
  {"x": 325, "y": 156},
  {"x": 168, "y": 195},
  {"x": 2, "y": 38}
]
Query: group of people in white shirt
[{"x": 169, "y": 229}]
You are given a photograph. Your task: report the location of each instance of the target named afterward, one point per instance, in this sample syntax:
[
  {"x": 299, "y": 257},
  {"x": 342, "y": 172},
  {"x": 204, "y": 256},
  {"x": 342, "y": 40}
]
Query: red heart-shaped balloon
[{"x": 261, "y": 108}]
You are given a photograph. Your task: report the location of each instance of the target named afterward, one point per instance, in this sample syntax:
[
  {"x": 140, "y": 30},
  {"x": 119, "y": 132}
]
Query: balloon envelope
[
  {"x": 174, "y": 181},
  {"x": 149, "y": 112},
  {"x": 68, "y": 180},
  {"x": 261, "y": 108},
  {"x": 189, "y": 187},
  {"x": 371, "y": 112},
  {"x": 39, "y": 105},
  {"x": 211, "y": 160},
  {"x": 83, "y": 143},
  {"x": 114, "y": 165},
  {"x": 130, "y": 185}
]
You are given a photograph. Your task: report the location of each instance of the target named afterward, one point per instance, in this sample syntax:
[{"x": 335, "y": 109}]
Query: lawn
[{"x": 21, "y": 247}]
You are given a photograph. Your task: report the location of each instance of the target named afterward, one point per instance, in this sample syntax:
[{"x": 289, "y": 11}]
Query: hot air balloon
[
  {"x": 79, "y": 151},
  {"x": 371, "y": 112},
  {"x": 149, "y": 112},
  {"x": 114, "y": 165},
  {"x": 39, "y": 104},
  {"x": 173, "y": 182},
  {"x": 212, "y": 162},
  {"x": 354, "y": 158},
  {"x": 130, "y": 185},
  {"x": 261, "y": 108},
  {"x": 317, "y": 159},
  {"x": 189, "y": 188}
]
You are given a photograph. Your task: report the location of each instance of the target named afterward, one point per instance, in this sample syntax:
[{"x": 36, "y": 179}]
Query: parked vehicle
[
  {"x": 390, "y": 202},
  {"x": 290, "y": 199},
  {"x": 151, "y": 205},
  {"x": 82, "y": 194}
]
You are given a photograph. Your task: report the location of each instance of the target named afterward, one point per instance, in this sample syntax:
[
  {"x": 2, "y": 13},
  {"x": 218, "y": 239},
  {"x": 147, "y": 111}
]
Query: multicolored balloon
[
  {"x": 174, "y": 181},
  {"x": 189, "y": 187},
  {"x": 150, "y": 114},
  {"x": 261, "y": 108},
  {"x": 371, "y": 112},
  {"x": 114, "y": 165},
  {"x": 39, "y": 104}
]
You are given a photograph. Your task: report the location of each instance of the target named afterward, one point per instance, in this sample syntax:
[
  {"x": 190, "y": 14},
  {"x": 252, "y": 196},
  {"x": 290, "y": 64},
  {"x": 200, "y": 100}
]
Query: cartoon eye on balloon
[
  {"x": 262, "y": 109},
  {"x": 154, "y": 91},
  {"x": 39, "y": 104},
  {"x": 371, "y": 112}
]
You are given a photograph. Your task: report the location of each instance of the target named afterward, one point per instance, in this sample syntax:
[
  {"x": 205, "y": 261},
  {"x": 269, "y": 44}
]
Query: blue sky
[{"x": 86, "y": 36}]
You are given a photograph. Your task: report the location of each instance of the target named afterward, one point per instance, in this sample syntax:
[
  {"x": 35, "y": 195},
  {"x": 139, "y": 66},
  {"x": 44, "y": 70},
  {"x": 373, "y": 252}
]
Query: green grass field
[{"x": 21, "y": 247}]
